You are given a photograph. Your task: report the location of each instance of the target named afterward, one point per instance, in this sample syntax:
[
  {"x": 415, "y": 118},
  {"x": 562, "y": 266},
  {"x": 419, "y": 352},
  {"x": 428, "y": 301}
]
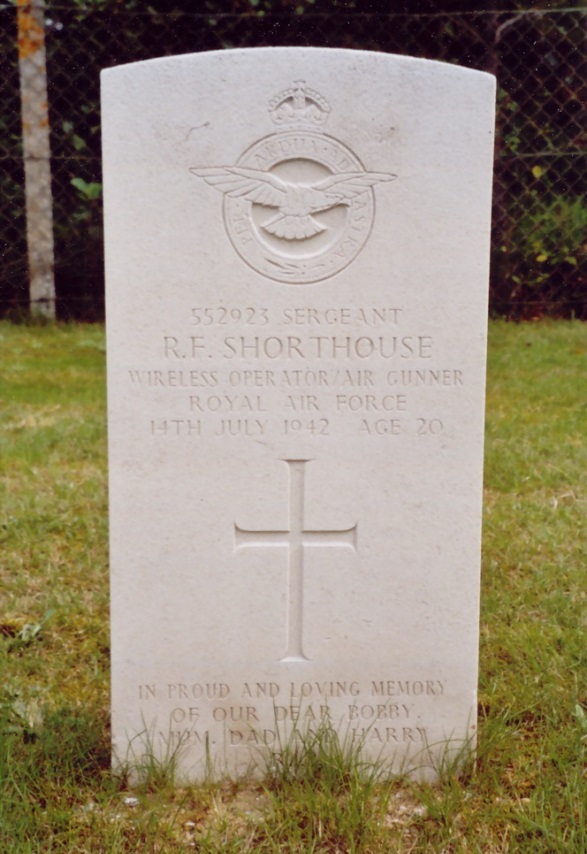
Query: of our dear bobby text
[
  {"x": 381, "y": 710},
  {"x": 319, "y": 372}
]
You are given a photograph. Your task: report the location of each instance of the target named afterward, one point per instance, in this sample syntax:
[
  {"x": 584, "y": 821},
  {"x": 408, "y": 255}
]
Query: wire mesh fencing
[{"x": 540, "y": 214}]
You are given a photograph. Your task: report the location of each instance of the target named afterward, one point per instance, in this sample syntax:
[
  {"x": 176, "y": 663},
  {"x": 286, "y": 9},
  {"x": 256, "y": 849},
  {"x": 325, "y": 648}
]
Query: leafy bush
[{"x": 539, "y": 266}]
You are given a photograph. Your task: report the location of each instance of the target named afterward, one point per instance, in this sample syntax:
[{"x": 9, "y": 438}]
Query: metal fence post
[{"x": 37, "y": 163}]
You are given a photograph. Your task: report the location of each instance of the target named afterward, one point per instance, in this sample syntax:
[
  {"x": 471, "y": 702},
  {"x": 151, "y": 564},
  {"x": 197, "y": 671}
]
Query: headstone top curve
[{"x": 315, "y": 53}]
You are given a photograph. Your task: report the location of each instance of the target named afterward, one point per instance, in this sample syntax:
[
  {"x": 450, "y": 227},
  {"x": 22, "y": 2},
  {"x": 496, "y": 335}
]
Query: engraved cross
[{"x": 295, "y": 539}]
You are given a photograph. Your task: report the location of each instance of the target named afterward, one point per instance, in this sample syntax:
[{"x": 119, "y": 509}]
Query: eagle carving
[{"x": 295, "y": 202}]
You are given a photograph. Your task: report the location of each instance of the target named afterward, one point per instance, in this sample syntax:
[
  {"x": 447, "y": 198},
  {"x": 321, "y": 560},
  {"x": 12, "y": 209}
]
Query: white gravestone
[{"x": 297, "y": 247}]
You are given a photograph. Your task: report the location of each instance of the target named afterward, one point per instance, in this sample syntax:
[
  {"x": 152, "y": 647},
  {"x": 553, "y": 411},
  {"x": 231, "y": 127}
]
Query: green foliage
[
  {"x": 323, "y": 795},
  {"x": 88, "y": 211},
  {"x": 88, "y": 191},
  {"x": 19, "y": 637},
  {"x": 539, "y": 263},
  {"x": 548, "y": 237},
  {"x": 555, "y": 232}
]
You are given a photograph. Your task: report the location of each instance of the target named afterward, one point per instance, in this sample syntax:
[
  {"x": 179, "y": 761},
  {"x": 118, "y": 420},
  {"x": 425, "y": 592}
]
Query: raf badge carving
[{"x": 298, "y": 205}]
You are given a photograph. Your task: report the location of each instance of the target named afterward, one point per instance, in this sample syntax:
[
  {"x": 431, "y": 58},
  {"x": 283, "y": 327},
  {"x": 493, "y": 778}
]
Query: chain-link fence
[{"x": 540, "y": 214}]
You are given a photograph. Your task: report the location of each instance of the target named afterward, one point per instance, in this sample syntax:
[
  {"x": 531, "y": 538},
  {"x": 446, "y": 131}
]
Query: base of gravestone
[{"x": 285, "y": 752}]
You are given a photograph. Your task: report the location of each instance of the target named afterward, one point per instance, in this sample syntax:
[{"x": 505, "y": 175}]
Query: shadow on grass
[{"x": 48, "y": 763}]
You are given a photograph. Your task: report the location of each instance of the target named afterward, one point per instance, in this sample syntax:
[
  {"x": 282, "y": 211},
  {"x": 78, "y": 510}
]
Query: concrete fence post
[{"x": 37, "y": 162}]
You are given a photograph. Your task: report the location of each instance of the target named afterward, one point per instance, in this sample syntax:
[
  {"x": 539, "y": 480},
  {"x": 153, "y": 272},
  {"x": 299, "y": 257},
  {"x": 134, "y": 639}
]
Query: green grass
[{"x": 527, "y": 791}]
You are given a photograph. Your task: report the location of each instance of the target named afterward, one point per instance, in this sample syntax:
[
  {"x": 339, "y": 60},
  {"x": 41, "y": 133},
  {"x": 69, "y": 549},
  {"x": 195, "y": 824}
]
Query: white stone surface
[{"x": 297, "y": 260}]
